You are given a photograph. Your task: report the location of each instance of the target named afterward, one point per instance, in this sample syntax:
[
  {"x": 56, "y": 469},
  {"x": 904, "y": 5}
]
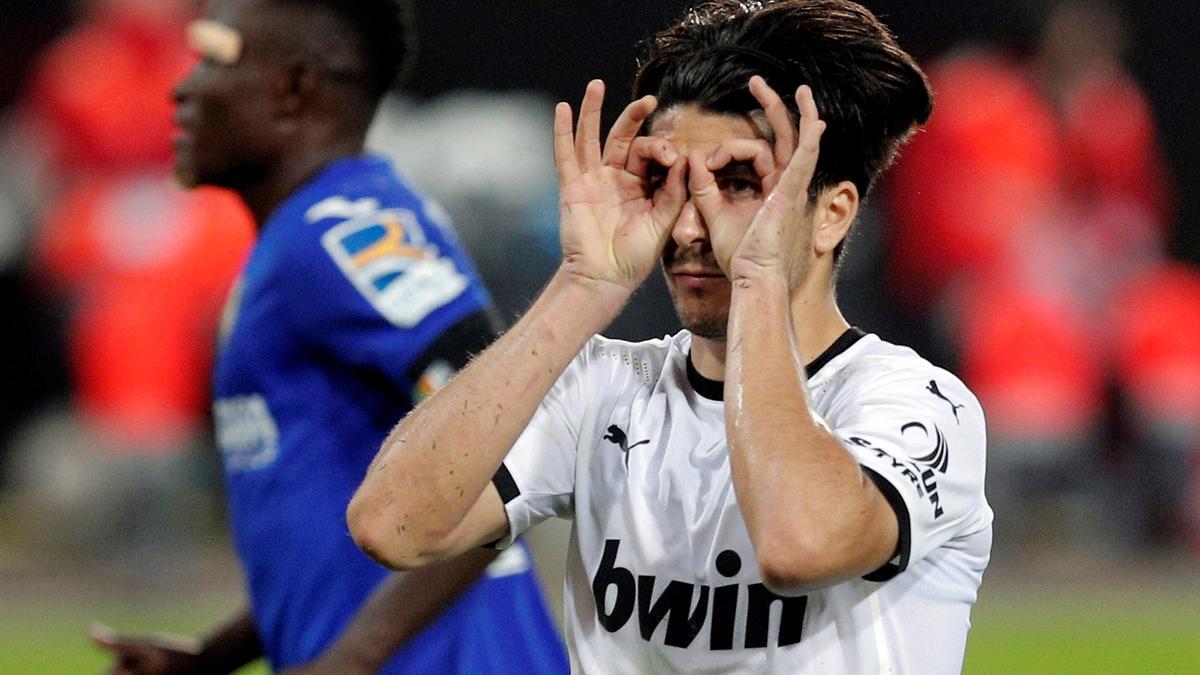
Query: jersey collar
[{"x": 714, "y": 390}]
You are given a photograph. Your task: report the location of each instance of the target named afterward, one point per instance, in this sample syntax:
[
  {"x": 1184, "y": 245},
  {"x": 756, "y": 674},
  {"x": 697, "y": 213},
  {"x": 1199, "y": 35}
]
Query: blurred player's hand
[
  {"x": 618, "y": 202},
  {"x": 773, "y": 238},
  {"x": 150, "y": 655}
]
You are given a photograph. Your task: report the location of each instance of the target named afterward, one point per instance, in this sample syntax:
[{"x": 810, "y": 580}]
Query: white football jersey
[{"x": 661, "y": 573}]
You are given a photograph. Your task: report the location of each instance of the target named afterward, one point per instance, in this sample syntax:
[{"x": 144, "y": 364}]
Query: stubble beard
[
  {"x": 699, "y": 313},
  {"x": 712, "y": 325}
]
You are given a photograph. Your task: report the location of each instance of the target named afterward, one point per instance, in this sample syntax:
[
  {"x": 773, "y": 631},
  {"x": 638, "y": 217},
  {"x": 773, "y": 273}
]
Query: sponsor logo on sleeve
[
  {"x": 921, "y": 471},
  {"x": 386, "y": 256},
  {"x": 939, "y": 457}
]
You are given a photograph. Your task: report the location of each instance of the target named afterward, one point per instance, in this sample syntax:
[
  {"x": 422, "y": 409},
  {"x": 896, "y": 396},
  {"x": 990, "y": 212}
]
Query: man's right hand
[
  {"x": 614, "y": 221},
  {"x": 150, "y": 655}
]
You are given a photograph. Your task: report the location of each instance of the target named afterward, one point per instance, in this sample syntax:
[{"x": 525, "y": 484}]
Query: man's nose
[
  {"x": 182, "y": 88},
  {"x": 690, "y": 227}
]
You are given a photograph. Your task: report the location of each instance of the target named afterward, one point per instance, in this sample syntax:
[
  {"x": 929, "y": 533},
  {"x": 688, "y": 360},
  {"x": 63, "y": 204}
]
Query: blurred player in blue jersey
[{"x": 355, "y": 303}]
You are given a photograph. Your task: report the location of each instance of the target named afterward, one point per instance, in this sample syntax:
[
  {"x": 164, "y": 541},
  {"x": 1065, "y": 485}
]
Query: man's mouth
[
  {"x": 697, "y": 278},
  {"x": 182, "y": 123},
  {"x": 696, "y": 272}
]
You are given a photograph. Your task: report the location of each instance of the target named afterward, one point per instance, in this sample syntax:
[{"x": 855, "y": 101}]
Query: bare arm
[
  {"x": 428, "y": 495},
  {"x": 813, "y": 515},
  {"x": 400, "y": 607}
]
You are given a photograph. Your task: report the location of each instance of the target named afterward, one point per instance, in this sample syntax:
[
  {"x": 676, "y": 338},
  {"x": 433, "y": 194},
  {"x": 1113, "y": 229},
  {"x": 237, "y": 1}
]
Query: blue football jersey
[{"x": 355, "y": 301}]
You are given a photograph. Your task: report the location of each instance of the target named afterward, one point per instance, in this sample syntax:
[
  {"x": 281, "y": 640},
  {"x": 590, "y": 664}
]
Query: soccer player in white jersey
[{"x": 769, "y": 490}]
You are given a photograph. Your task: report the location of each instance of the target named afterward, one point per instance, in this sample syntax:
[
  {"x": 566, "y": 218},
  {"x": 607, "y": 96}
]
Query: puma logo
[
  {"x": 617, "y": 436},
  {"x": 933, "y": 389}
]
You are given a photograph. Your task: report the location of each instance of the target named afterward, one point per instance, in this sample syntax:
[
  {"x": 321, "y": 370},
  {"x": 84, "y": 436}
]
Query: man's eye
[
  {"x": 739, "y": 187},
  {"x": 655, "y": 181}
]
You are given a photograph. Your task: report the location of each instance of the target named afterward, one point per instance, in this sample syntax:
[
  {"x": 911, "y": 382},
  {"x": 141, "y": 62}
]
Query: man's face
[
  {"x": 699, "y": 288},
  {"x": 228, "y": 133}
]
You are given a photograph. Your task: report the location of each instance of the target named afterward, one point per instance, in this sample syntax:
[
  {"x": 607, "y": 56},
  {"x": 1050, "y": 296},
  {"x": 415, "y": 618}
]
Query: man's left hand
[{"x": 772, "y": 241}]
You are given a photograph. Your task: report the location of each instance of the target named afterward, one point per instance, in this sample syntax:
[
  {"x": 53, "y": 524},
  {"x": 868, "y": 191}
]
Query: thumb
[{"x": 128, "y": 656}]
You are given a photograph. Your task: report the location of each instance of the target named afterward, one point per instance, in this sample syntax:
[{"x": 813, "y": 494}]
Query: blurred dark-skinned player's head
[{"x": 284, "y": 81}]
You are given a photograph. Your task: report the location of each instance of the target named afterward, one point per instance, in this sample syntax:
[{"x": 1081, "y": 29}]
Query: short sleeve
[
  {"x": 377, "y": 288},
  {"x": 537, "y": 479},
  {"x": 920, "y": 438}
]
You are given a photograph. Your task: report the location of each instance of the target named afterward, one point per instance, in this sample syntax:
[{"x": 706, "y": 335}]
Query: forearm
[
  {"x": 232, "y": 644},
  {"x": 812, "y": 514},
  {"x": 403, "y": 605},
  {"x": 436, "y": 463}
]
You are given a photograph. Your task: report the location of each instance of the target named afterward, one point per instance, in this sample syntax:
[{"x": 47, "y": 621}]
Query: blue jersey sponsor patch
[{"x": 385, "y": 254}]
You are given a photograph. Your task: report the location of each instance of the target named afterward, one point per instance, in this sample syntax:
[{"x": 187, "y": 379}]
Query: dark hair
[
  {"x": 384, "y": 33},
  {"x": 869, "y": 91}
]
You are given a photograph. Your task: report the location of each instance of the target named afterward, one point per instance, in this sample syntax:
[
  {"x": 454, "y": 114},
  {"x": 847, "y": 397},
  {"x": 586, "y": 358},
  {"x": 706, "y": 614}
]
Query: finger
[
  {"x": 808, "y": 108},
  {"x": 756, "y": 151},
  {"x": 702, "y": 184},
  {"x": 670, "y": 198},
  {"x": 777, "y": 117},
  {"x": 564, "y": 145},
  {"x": 799, "y": 172},
  {"x": 587, "y": 135},
  {"x": 625, "y": 129},
  {"x": 646, "y": 149}
]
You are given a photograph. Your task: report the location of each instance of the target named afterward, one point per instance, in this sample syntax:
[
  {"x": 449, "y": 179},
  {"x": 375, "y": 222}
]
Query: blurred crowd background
[{"x": 1040, "y": 238}]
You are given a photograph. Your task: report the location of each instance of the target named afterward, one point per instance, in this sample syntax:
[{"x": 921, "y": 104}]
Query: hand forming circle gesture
[
  {"x": 785, "y": 171},
  {"x": 613, "y": 227}
]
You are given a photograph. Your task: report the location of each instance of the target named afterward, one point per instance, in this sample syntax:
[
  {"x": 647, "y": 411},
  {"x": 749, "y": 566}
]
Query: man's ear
[
  {"x": 836, "y": 209},
  {"x": 295, "y": 87}
]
